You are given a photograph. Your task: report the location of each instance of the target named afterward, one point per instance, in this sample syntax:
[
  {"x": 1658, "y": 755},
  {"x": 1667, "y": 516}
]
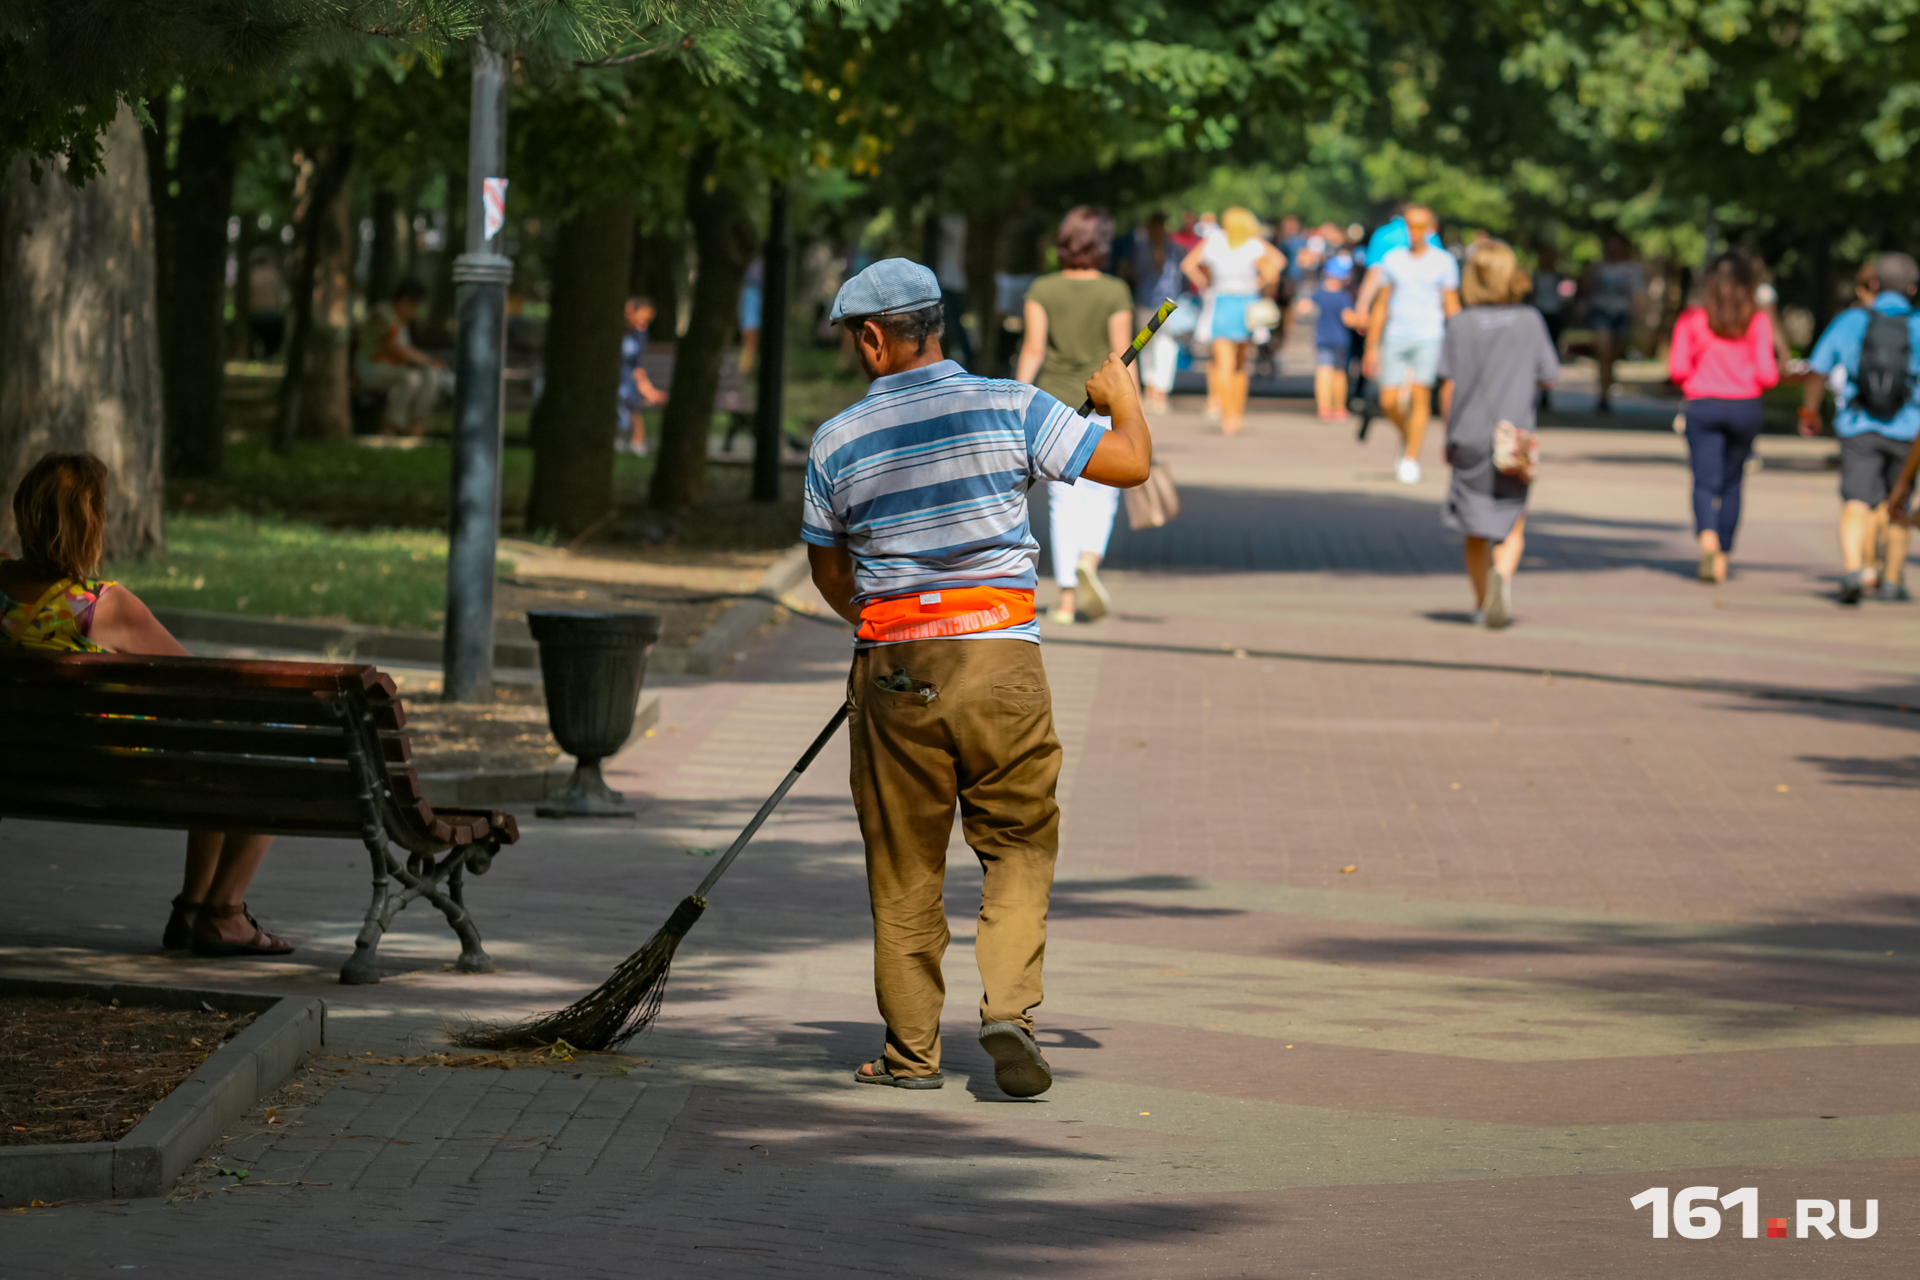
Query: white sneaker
[
  {"x": 1092, "y": 595},
  {"x": 1499, "y": 601},
  {"x": 1408, "y": 472}
]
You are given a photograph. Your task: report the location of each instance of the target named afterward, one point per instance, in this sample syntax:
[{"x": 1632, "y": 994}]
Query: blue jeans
[{"x": 1720, "y": 436}]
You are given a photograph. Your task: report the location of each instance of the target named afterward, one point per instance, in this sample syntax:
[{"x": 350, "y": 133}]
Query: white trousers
[
  {"x": 411, "y": 391},
  {"x": 1160, "y": 360},
  {"x": 1079, "y": 519}
]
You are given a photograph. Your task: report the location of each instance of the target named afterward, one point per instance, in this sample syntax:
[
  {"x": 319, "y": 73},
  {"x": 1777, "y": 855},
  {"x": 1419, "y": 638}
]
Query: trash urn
[{"x": 592, "y": 665}]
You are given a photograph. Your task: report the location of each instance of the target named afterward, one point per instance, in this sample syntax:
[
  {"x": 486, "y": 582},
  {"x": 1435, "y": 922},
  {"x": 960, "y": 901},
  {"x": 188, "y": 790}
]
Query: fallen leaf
[
  {"x": 273, "y": 1115},
  {"x": 1348, "y": 869},
  {"x": 1781, "y": 787}
]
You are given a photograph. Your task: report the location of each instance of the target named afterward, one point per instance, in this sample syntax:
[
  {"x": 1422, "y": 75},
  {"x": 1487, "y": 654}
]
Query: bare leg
[
  {"x": 1233, "y": 399},
  {"x": 1710, "y": 546},
  {"x": 1338, "y": 400},
  {"x": 1477, "y": 566},
  {"x": 1063, "y": 611},
  {"x": 1415, "y": 427},
  {"x": 1603, "y": 350},
  {"x": 1323, "y": 389},
  {"x": 1506, "y": 556},
  {"x": 1856, "y": 539},
  {"x": 1392, "y": 404},
  {"x": 1220, "y": 376},
  {"x": 238, "y": 858},
  {"x": 749, "y": 347},
  {"x": 1899, "y": 538},
  {"x": 203, "y": 856}
]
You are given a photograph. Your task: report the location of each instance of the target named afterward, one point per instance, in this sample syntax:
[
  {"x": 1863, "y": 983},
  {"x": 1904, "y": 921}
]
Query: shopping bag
[{"x": 1152, "y": 504}]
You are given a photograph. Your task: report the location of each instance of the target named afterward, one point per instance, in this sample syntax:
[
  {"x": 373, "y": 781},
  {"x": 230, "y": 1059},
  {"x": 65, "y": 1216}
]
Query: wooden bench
[{"x": 287, "y": 748}]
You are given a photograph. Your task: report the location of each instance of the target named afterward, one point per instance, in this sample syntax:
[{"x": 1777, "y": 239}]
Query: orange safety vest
[{"x": 935, "y": 615}]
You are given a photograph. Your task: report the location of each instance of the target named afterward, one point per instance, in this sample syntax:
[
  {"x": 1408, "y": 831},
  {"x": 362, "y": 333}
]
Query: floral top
[{"x": 60, "y": 619}]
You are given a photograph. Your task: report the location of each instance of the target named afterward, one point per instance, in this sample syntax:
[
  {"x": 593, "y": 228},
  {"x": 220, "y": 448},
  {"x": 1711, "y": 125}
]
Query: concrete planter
[{"x": 187, "y": 1121}]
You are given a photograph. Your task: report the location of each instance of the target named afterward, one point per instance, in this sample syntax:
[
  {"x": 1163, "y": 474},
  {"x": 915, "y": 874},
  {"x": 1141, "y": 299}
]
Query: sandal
[
  {"x": 261, "y": 944},
  {"x": 179, "y": 931},
  {"x": 876, "y": 1072},
  {"x": 1019, "y": 1068}
]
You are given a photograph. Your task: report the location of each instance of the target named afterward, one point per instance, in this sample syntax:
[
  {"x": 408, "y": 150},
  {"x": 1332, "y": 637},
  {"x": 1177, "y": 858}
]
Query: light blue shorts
[
  {"x": 1230, "y": 316},
  {"x": 1404, "y": 360}
]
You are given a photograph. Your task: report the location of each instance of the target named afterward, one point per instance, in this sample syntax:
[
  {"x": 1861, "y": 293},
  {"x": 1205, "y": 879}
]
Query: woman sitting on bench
[{"x": 50, "y": 600}]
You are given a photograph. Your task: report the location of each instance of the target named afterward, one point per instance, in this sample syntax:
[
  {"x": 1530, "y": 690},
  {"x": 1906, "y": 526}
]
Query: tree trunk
[
  {"x": 658, "y": 264},
  {"x": 573, "y": 423},
  {"x": 79, "y": 356},
  {"x": 387, "y": 263},
  {"x": 192, "y": 202},
  {"x": 319, "y": 294},
  {"x": 723, "y": 236},
  {"x": 240, "y": 330},
  {"x": 983, "y": 286}
]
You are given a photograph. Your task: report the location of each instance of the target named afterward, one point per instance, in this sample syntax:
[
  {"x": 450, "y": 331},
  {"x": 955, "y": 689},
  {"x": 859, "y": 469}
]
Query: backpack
[{"x": 1884, "y": 382}]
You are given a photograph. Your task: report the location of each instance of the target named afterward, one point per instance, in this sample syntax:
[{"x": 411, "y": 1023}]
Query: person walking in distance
[
  {"x": 1332, "y": 338},
  {"x": 1156, "y": 267},
  {"x": 1870, "y": 357},
  {"x": 915, "y": 518},
  {"x": 637, "y": 392},
  {"x": 1419, "y": 291},
  {"x": 1723, "y": 359},
  {"x": 1614, "y": 294},
  {"x": 1494, "y": 359},
  {"x": 1238, "y": 266},
  {"x": 1553, "y": 299},
  {"x": 1075, "y": 319}
]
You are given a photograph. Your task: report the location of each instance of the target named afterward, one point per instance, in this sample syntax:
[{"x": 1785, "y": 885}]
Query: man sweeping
[{"x": 916, "y": 520}]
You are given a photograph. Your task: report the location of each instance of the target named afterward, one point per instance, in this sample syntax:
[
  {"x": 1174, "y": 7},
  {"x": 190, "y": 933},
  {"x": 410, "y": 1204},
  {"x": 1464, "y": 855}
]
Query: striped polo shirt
[{"x": 925, "y": 481}]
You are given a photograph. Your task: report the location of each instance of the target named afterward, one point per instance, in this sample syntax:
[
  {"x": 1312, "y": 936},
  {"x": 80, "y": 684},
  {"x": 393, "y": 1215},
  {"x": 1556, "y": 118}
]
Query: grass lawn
[{"x": 233, "y": 562}]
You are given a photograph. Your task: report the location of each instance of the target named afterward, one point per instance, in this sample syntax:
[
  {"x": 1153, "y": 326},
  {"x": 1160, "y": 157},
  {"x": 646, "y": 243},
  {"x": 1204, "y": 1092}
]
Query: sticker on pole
[{"x": 493, "y": 196}]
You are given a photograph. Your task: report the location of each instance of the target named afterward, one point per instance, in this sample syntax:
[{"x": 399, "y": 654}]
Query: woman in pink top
[{"x": 1723, "y": 359}]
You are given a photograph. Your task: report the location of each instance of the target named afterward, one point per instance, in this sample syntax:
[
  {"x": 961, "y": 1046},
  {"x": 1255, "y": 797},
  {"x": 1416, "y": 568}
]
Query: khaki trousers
[{"x": 975, "y": 729}]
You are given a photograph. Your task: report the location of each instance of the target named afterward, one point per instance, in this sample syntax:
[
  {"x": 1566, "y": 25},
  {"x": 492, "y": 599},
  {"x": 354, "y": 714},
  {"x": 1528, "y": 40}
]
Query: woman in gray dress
[{"x": 1496, "y": 358}]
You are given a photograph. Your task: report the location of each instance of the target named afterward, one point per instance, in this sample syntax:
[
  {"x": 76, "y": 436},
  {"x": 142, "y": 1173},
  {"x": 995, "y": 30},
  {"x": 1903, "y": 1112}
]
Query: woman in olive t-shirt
[{"x": 1075, "y": 319}]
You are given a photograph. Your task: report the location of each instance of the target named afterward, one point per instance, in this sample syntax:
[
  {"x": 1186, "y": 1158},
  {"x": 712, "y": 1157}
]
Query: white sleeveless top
[{"x": 1235, "y": 271}]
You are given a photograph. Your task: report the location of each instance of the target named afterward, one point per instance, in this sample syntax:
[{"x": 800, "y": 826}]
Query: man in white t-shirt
[{"x": 1420, "y": 289}]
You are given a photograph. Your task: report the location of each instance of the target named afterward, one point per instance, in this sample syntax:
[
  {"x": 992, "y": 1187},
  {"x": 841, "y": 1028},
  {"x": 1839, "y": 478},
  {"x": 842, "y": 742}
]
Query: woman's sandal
[
  {"x": 179, "y": 931},
  {"x": 876, "y": 1072},
  {"x": 261, "y": 944}
]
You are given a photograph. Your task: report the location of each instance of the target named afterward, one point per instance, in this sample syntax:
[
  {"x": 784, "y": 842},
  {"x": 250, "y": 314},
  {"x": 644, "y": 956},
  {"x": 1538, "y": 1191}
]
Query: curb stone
[
  {"x": 188, "y": 1120},
  {"x": 711, "y": 653}
]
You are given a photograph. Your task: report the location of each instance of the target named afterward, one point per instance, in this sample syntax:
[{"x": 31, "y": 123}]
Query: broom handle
[
  {"x": 773, "y": 802},
  {"x": 1140, "y": 340}
]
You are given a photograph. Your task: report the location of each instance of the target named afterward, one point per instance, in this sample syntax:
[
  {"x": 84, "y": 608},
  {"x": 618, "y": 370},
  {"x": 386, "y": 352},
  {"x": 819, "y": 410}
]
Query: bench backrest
[{"x": 198, "y": 742}]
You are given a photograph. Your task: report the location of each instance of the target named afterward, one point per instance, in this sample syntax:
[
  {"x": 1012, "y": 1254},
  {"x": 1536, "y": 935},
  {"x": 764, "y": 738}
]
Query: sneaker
[
  {"x": 1062, "y": 616},
  {"x": 1091, "y": 594},
  {"x": 1408, "y": 472},
  {"x": 1895, "y": 592},
  {"x": 1851, "y": 589},
  {"x": 1499, "y": 601}
]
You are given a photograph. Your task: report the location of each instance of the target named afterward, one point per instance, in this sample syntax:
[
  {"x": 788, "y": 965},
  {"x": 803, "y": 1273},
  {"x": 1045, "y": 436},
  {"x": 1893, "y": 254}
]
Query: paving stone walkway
[{"x": 1375, "y": 951}]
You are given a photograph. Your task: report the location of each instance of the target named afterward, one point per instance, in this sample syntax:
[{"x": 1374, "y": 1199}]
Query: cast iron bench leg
[
  {"x": 359, "y": 969},
  {"x": 452, "y": 904}
]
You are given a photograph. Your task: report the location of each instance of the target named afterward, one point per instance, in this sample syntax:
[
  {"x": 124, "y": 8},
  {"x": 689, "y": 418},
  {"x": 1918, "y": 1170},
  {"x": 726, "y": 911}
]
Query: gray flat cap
[{"x": 888, "y": 287}]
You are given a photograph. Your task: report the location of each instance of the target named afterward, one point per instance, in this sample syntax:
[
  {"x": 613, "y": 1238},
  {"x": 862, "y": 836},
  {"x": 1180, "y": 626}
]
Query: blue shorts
[
  {"x": 1332, "y": 357},
  {"x": 749, "y": 307},
  {"x": 1230, "y": 317},
  {"x": 1404, "y": 360}
]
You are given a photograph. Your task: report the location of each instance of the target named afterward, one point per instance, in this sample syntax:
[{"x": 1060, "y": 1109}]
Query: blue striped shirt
[{"x": 925, "y": 481}]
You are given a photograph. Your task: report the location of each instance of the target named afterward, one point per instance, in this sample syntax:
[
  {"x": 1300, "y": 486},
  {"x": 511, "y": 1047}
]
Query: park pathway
[{"x": 1382, "y": 945}]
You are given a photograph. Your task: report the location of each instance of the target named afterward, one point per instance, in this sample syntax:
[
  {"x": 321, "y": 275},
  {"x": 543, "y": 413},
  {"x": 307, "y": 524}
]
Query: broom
[
  {"x": 626, "y": 1004},
  {"x": 1139, "y": 343}
]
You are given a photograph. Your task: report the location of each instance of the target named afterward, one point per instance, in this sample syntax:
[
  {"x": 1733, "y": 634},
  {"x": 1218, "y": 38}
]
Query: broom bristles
[{"x": 612, "y": 1013}]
